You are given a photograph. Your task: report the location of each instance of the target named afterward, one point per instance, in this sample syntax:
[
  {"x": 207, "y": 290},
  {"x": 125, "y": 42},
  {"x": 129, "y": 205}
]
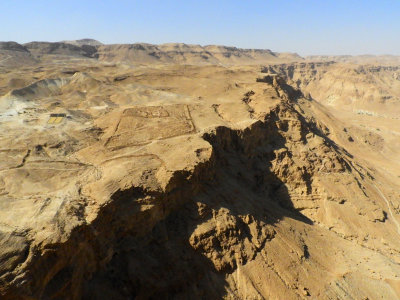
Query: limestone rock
[{"x": 193, "y": 181}]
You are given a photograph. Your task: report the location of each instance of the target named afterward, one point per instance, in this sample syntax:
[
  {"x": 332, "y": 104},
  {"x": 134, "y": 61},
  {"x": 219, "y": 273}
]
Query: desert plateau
[{"x": 180, "y": 171}]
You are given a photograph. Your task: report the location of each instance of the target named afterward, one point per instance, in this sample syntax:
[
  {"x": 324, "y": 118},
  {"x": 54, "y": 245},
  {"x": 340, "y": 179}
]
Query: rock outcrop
[{"x": 201, "y": 182}]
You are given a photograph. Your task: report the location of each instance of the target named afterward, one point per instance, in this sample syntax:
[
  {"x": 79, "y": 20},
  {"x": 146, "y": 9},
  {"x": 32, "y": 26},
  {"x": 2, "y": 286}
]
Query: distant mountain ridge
[
  {"x": 46, "y": 48},
  {"x": 143, "y": 53},
  {"x": 357, "y": 59},
  {"x": 14, "y": 54},
  {"x": 12, "y": 46},
  {"x": 189, "y": 54},
  {"x": 81, "y": 42}
]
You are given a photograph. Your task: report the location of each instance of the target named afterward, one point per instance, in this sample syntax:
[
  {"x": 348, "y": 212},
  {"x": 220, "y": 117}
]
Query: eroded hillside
[
  {"x": 200, "y": 182},
  {"x": 35, "y": 53}
]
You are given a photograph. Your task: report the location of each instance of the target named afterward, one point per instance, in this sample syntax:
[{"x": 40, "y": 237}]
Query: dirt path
[{"x": 390, "y": 209}]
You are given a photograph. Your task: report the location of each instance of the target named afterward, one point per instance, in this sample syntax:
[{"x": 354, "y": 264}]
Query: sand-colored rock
[{"x": 195, "y": 181}]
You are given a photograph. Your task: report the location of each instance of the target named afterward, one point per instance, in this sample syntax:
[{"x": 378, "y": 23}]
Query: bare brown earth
[{"x": 246, "y": 175}]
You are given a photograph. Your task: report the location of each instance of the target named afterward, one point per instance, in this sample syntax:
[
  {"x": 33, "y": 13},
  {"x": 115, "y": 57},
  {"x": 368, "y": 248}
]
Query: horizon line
[{"x": 201, "y": 45}]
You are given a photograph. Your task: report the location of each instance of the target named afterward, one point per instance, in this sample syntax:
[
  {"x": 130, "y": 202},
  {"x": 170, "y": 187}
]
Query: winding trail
[
  {"x": 390, "y": 209},
  {"x": 7, "y": 58}
]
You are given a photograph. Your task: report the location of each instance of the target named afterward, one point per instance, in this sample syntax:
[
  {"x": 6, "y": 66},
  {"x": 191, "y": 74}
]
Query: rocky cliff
[
  {"x": 364, "y": 89},
  {"x": 187, "y": 182}
]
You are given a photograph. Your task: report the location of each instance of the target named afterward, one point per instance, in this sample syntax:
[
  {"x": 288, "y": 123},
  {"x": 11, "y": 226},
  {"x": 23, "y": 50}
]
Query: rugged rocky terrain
[
  {"x": 152, "y": 172},
  {"x": 138, "y": 54}
]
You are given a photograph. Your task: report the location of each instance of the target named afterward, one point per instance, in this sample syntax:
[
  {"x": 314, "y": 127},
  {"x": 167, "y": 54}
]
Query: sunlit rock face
[{"x": 153, "y": 171}]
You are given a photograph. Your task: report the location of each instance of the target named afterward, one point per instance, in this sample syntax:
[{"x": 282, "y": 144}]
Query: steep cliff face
[
  {"x": 166, "y": 190},
  {"x": 364, "y": 99},
  {"x": 372, "y": 89}
]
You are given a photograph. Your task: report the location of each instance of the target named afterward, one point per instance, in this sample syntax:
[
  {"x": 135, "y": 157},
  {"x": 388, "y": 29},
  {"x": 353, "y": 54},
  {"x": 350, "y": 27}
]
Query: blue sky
[{"x": 302, "y": 26}]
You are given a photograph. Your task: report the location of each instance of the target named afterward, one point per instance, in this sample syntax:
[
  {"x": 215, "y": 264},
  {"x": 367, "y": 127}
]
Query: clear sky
[{"x": 302, "y": 26}]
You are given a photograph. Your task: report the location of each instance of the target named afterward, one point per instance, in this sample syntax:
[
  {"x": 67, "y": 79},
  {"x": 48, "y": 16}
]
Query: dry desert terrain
[{"x": 197, "y": 172}]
